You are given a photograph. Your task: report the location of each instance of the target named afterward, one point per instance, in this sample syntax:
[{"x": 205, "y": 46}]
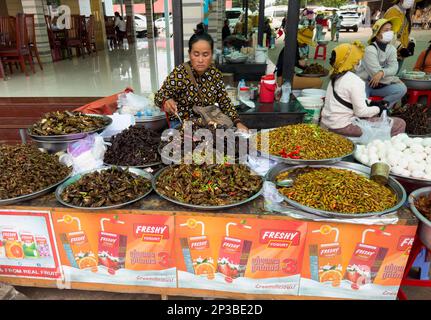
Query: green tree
[{"x": 333, "y": 3}]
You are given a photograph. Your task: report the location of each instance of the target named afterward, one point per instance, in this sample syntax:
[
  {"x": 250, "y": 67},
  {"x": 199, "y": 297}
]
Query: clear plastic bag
[
  {"x": 130, "y": 103},
  {"x": 86, "y": 154},
  {"x": 372, "y": 130}
]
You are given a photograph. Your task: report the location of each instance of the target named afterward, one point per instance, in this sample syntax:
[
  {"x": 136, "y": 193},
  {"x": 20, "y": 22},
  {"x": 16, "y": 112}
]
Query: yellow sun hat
[
  {"x": 305, "y": 36},
  {"x": 347, "y": 55},
  {"x": 396, "y": 26}
]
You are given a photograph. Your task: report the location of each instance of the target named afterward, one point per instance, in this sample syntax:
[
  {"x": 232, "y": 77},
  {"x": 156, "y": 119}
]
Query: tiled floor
[{"x": 102, "y": 75}]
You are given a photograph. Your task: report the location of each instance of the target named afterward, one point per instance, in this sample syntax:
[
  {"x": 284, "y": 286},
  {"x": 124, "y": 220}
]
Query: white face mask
[
  {"x": 407, "y": 4},
  {"x": 387, "y": 36}
]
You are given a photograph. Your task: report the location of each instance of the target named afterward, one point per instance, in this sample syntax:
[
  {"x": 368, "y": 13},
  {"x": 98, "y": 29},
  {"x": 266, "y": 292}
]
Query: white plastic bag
[
  {"x": 374, "y": 130},
  {"x": 86, "y": 154},
  {"x": 130, "y": 103}
]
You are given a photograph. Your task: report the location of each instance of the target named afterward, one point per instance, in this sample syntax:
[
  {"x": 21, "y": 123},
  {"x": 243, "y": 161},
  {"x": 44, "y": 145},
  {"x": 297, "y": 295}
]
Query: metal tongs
[{"x": 178, "y": 116}]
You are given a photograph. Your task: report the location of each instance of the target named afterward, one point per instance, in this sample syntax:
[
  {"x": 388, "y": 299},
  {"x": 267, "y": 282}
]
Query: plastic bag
[
  {"x": 86, "y": 154},
  {"x": 130, "y": 103},
  {"x": 372, "y": 130}
]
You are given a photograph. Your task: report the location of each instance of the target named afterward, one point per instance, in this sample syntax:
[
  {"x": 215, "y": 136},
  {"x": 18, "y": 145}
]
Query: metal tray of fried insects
[
  {"x": 201, "y": 207},
  {"x": 72, "y": 136},
  {"x": 393, "y": 184},
  {"x": 76, "y": 177},
  {"x": 302, "y": 161},
  {"x": 4, "y": 202}
]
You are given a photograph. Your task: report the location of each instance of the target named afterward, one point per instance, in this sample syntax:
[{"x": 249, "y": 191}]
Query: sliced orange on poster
[
  {"x": 331, "y": 275},
  {"x": 325, "y": 229},
  {"x": 191, "y": 223},
  {"x": 87, "y": 262},
  {"x": 204, "y": 269}
]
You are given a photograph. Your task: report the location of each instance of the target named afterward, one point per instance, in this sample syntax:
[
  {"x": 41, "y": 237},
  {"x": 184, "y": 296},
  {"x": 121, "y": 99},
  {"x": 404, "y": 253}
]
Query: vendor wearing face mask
[
  {"x": 379, "y": 65},
  {"x": 402, "y": 10},
  {"x": 345, "y": 96}
]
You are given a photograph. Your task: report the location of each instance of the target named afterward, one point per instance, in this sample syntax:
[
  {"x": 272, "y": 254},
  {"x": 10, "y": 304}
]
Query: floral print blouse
[{"x": 179, "y": 87}]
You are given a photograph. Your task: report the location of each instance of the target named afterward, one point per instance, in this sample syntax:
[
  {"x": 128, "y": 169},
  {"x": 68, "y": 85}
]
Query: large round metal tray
[
  {"x": 312, "y": 75},
  {"x": 302, "y": 161},
  {"x": 76, "y": 177},
  {"x": 33, "y": 195},
  {"x": 138, "y": 167},
  {"x": 408, "y": 179},
  {"x": 200, "y": 207},
  {"x": 72, "y": 136},
  {"x": 363, "y": 170},
  {"x": 425, "y": 225},
  {"x": 417, "y": 84}
]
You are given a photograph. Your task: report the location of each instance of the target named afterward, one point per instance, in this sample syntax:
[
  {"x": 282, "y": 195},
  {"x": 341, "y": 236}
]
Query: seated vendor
[
  {"x": 345, "y": 96},
  {"x": 424, "y": 61},
  {"x": 304, "y": 38},
  {"x": 178, "y": 95},
  {"x": 380, "y": 66}
]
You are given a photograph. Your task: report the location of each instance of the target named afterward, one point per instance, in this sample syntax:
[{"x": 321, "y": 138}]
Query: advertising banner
[
  {"x": 239, "y": 255},
  {"x": 27, "y": 245},
  {"x": 355, "y": 261},
  {"x": 129, "y": 249}
]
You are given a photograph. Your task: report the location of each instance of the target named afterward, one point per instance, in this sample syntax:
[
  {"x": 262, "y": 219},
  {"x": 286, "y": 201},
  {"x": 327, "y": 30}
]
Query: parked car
[
  {"x": 160, "y": 24},
  {"x": 351, "y": 20},
  {"x": 276, "y": 13},
  {"x": 233, "y": 15},
  {"x": 140, "y": 24}
]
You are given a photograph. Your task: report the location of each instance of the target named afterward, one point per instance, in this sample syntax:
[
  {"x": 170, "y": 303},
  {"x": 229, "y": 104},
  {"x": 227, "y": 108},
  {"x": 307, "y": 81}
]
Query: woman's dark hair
[{"x": 201, "y": 35}]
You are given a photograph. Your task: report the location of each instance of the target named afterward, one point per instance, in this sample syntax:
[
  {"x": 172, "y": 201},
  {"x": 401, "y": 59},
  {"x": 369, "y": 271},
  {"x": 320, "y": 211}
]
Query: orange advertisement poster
[
  {"x": 132, "y": 249},
  {"x": 355, "y": 261},
  {"x": 239, "y": 255}
]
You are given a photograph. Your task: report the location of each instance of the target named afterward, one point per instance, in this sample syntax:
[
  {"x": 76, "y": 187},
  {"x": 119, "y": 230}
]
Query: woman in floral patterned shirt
[{"x": 179, "y": 95}]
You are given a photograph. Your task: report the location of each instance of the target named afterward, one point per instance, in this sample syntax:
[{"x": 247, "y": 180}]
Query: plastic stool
[
  {"x": 414, "y": 95},
  {"x": 414, "y": 252},
  {"x": 375, "y": 98},
  {"x": 317, "y": 54},
  {"x": 423, "y": 265}
]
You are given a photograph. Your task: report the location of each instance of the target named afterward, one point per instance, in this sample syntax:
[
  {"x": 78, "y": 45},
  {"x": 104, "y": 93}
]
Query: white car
[
  {"x": 161, "y": 24},
  {"x": 276, "y": 13},
  {"x": 140, "y": 23},
  {"x": 351, "y": 20},
  {"x": 233, "y": 15}
]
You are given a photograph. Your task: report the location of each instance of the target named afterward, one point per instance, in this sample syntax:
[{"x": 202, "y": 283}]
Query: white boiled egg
[{"x": 418, "y": 174}]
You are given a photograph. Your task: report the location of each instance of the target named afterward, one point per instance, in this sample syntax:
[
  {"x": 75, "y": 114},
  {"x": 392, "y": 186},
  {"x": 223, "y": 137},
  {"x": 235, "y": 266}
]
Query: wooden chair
[
  {"x": 18, "y": 51},
  {"x": 74, "y": 35},
  {"x": 90, "y": 37},
  {"x": 29, "y": 21}
]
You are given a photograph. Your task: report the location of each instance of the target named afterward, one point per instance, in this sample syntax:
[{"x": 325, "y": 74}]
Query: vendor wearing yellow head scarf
[
  {"x": 402, "y": 10},
  {"x": 304, "y": 38},
  {"x": 345, "y": 95}
]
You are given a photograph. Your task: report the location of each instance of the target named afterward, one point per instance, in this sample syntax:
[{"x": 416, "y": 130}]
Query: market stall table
[{"x": 154, "y": 246}]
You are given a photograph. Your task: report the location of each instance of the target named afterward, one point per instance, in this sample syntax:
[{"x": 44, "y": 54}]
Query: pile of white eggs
[{"x": 410, "y": 157}]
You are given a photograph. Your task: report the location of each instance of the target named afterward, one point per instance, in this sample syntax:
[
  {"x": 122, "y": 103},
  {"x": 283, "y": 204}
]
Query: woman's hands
[
  {"x": 241, "y": 127},
  {"x": 170, "y": 106},
  {"x": 375, "y": 80}
]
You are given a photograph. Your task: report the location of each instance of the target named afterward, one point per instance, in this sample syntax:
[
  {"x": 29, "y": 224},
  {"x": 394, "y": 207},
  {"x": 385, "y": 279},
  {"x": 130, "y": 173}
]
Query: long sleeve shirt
[
  {"x": 351, "y": 89},
  {"x": 179, "y": 87},
  {"x": 375, "y": 60}
]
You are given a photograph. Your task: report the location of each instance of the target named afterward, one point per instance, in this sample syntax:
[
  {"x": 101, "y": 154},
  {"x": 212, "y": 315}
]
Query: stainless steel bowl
[
  {"x": 302, "y": 161},
  {"x": 425, "y": 224},
  {"x": 360, "y": 169},
  {"x": 236, "y": 60},
  {"x": 156, "y": 123},
  {"x": 417, "y": 84},
  {"x": 200, "y": 207},
  {"x": 73, "y": 136},
  {"x": 76, "y": 177},
  {"x": 54, "y": 146}
]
